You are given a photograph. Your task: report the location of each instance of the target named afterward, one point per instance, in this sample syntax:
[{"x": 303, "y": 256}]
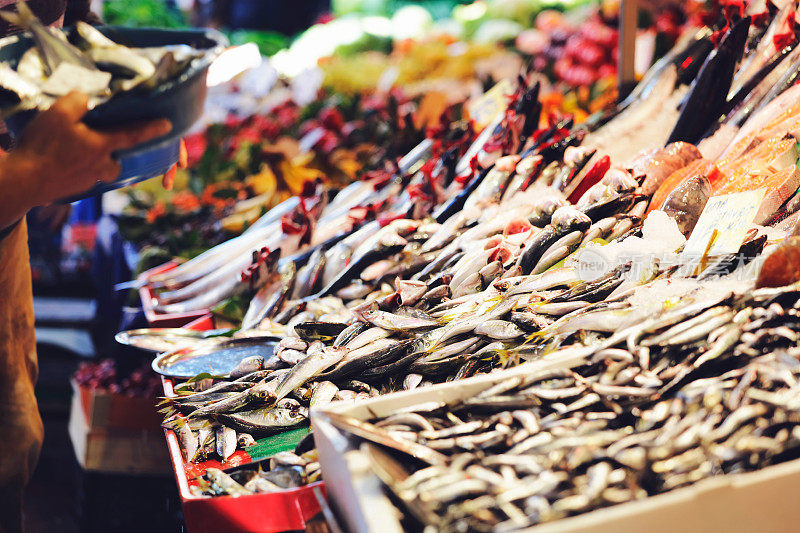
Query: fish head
[
  {"x": 619, "y": 180},
  {"x": 544, "y": 208},
  {"x": 264, "y": 392},
  {"x": 528, "y": 165},
  {"x": 391, "y": 239},
  {"x": 404, "y": 226},
  {"x": 569, "y": 218}
]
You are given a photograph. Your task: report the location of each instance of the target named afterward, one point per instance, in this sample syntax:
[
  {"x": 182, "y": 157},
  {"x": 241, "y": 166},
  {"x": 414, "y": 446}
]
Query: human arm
[{"x": 58, "y": 156}]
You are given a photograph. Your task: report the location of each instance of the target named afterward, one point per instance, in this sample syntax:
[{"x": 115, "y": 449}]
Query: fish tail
[
  {"x": 173, "y": 421},
  {"x": 536, "y": 335},
  {"x": 507, "y": 356}
]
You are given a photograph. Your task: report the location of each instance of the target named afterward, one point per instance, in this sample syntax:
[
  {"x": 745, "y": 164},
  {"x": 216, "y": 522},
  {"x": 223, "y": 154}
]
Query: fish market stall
[{"x": 537, "y": 319}]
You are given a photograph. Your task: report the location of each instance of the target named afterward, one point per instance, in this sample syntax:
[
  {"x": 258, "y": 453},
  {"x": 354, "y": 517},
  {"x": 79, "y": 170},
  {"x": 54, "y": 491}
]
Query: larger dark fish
[
  {"x": 530, "y": 108},
  {"x": 730, "y": 262},
  {"x": 738, "y": 97},
  {"x": 706, "y": 99},
  {"x": 687, "y": 61},
  {"x": 376, "y": 359},
  {"x": 323, "y": 331},
  {"x": 565, "y": 220},
  {"x": 687, "y": 201},
  {"x": 454, "y": 204},
  {"x": 611, "y": 206},
  {"x": 449, "y": 162},
  {"x": 555, "y": 150},
  {"x": 389, "y": 245}
]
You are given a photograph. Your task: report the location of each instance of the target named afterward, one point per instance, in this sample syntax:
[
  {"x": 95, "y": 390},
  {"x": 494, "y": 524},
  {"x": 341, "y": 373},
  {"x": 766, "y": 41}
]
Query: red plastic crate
[
  {"x": 287, "y": 510},
  {"x": 162, "y": 320},
  {"x": 204, "y": 323}
]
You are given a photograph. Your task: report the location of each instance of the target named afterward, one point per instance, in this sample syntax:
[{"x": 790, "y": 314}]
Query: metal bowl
[{"x": 181, "y": 100}]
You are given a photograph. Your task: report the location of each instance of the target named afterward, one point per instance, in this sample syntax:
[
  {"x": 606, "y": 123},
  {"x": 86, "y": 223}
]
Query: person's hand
[{"x": 59, "y": 156}]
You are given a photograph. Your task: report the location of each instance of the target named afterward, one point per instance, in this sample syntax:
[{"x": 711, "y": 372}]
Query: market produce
[
  {"x": 91, "y": 63},
  {"x": 103, "y": 376},
  {"x": 240, "y": 169}
]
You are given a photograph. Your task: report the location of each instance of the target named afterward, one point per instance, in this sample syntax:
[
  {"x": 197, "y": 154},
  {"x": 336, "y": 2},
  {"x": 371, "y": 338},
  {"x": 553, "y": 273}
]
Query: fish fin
[
  {"x": 536, "y": 335},
  {"x": 171, "y": 422},
  {"x": 171, "y": 413}
]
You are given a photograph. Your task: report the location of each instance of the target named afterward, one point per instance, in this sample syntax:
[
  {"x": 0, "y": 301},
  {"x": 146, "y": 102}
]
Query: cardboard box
[
  {"x": 111, "y": 449},
  {"x": 766, "y": 500},
  {"x": 103, "y": 409}
]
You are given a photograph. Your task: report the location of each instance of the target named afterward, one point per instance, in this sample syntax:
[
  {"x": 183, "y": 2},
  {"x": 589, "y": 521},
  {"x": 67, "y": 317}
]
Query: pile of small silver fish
[
  {"x": 615, "y": 429},
  {"x": 87, "y": 61},
  {"x": 213, "y": 418}
]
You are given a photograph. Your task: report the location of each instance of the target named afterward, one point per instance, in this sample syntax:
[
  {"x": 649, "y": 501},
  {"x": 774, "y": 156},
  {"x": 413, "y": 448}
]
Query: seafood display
[
  {"x": 535, "y": 238},
  {"x": 717, "y": 397}
]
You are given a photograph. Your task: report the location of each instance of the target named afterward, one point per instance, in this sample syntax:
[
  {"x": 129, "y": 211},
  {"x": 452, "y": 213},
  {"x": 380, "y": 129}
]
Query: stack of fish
[
  {"x": 474, "y": 262},
  {"x": 716, "y": 395},
  {"x": 91, "y": 63}
]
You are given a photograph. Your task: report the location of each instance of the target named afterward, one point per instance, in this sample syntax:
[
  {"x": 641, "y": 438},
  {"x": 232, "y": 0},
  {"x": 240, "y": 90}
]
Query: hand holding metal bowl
[{"x": 155, "y": 74}]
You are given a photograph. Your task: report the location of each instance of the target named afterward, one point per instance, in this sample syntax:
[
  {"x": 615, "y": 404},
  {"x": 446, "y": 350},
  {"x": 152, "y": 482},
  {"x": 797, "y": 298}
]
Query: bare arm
[{"x": 59, "y": 156}]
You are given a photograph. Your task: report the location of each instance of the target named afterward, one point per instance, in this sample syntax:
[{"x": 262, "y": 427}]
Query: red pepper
[{"x": 169, "y": 178}]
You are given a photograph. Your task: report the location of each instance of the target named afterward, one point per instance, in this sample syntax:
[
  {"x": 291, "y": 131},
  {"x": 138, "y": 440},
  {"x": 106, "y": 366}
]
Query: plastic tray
[
  {"x": 288, "y": 510},
  {"x": 204, "y": 323},
  {"x": 180, "y": 100},
  {"x": 162, "y": 320}
]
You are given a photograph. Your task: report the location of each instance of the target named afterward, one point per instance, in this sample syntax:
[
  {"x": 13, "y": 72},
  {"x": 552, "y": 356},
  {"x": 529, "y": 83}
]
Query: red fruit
[
  {"x": 591, "y": 55},
  {"x": 573, "y": 46},
  {"x": 331, "y": 118},
  {"x": 579, "y": 76},
  {"x": 607, "y": 70},
  {"x": 599, "y": 33},
  {"x": 561, "y": 66}
]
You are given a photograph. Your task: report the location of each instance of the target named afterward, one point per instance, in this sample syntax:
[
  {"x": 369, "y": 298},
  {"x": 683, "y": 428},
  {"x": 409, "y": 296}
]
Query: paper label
[
  {"x": 485, "y": 108},
  {"x": 730, "y": 216}
]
